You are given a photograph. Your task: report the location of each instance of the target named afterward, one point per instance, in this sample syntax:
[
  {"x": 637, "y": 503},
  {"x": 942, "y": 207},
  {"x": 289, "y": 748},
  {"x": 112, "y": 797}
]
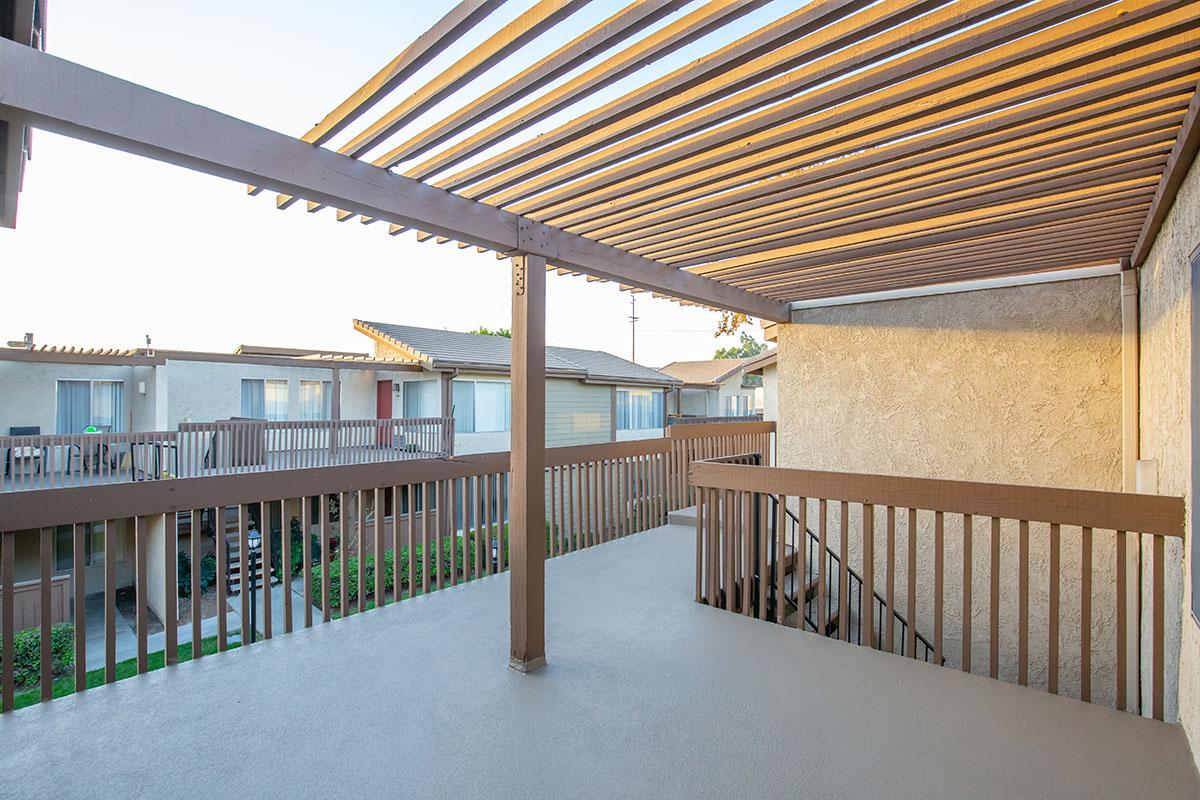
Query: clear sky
[{"x": 111, "y": 247}]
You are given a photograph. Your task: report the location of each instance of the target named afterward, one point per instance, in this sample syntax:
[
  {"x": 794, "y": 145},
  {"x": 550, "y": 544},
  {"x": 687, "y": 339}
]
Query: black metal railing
[{"x": 804, "y": 586}]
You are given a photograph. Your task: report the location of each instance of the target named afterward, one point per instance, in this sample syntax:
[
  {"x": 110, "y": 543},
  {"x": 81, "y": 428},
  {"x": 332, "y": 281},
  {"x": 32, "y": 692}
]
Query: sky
[{"x": 110, "y": 248}]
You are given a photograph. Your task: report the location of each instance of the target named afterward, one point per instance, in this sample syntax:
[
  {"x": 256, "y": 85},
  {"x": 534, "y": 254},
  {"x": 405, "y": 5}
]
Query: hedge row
[{"x": 27, "y": 653}]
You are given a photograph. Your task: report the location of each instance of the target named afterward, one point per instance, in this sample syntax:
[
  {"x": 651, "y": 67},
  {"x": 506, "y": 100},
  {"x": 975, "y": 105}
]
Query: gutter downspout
[{"x": 1130, "y": 452}]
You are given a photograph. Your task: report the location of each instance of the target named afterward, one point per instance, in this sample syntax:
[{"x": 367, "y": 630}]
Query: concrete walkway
[
  {"x": 155, "y": 642},
  {"x": 646, "y": 694}
]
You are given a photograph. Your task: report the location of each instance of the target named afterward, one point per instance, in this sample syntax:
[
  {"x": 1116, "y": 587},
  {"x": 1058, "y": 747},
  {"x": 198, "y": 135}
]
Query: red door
[{"x": 383, "y": 410}]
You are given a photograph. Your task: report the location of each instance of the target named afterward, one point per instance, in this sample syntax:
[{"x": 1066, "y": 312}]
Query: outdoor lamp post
[{"x": 254, "y": 545}]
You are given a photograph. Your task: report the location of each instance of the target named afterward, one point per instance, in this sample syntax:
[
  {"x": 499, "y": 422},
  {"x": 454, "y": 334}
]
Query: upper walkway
[{"x": 647, "y": 694}]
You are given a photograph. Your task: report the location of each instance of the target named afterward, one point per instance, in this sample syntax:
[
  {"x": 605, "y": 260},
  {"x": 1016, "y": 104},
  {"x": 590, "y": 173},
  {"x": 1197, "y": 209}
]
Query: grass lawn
[{"x": 125, "y": 669}]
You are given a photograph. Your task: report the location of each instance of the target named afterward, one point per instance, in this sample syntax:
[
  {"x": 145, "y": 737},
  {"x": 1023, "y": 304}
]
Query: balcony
[
  {"x": 646, "y": 693},
  {"x": 646, "y": 689},
  {"x": 207, "y": 449}
]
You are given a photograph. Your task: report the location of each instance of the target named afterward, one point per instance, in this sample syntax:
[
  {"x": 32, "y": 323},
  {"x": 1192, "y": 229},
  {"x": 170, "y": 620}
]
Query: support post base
[{"x": 527, "y": 666}]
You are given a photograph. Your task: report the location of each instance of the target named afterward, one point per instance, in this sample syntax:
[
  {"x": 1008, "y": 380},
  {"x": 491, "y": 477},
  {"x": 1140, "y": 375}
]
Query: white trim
[{"x": 1080, "y": 273}]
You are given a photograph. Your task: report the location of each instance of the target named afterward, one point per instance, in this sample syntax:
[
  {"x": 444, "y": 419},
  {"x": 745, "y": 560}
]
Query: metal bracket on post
[{"x": 536, "y": 238}]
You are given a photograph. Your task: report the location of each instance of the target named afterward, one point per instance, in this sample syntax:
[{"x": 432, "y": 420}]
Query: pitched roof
[
  {"x": 454, "y": 349},
  {"x": 709, "y": 373}
]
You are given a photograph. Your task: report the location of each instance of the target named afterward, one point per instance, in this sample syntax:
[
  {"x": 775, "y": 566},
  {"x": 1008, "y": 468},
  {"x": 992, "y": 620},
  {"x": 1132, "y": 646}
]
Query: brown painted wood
[
  {"x": 939, "y": 553},
  {"x": 264, "y": 525},
  {"x": 781, "y": 520},
  {"x": 196, "y": 554},
  {"x": 110, "y": 605},
  {"x": 140, "y": 536},
  {"x": 844, "y": 572},
  {"x": 45, "y": 615},
  {"x": 867, "y": 612},
  {"x": 222, "y": 571},
  {"x": 1157, "y": 627},
  {"x": 78, "y": 562},
  {"x": 968, "y": 564},
  {"x": 527, "y": 513},
  {"x": 1108, "y": 510},
  {"x": 7, "y": 628},
  {"x": 1122, "y": 642},
  {"x": 911, "y": 644},
  {"x": 1085, "y": 616},
  {"x": 306, "y": 525},
  {"x": 1023, "y": 606},
  {"x": 171, "y": 587},
  {"x": 1053, "y": 612},
  {"x": 243, "y": 566},
  {"x": 889, "y": 613},
  {"x": 994, "y": 602},
  {"x": 1183, "y": 154},
  {"x": 822, "y": 563}
]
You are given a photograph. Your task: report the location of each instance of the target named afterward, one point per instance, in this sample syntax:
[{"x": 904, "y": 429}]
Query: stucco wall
[
  {"x": 1166, "y": 419},
  {"x": 1017, "y": 385}
]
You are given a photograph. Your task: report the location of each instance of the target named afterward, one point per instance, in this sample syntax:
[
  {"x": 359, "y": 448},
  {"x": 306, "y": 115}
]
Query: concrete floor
[{"x": 647, "y": 694}]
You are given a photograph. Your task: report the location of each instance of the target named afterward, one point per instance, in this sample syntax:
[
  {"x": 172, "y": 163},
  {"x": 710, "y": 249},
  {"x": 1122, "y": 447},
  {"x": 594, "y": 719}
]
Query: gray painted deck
[{"x": 647, "y": 694}]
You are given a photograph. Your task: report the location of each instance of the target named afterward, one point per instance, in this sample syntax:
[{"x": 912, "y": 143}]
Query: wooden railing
[
  {"x": 679, "y": 419},
  {"x": 1021, "y": 533},
  {"x": 215, "y": 448},
  {"x": 440, "y": 521}
]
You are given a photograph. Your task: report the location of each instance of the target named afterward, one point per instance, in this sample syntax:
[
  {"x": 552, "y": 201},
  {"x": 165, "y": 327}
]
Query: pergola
[{"x": 837, "y": 148}]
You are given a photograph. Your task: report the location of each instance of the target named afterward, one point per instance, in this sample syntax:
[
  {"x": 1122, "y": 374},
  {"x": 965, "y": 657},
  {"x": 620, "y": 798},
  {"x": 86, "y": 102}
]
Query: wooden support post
[{"x": 527, "y": 514}]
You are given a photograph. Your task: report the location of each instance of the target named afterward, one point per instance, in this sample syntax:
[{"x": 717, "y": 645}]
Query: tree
[
  {"x": 482, "y": 331},
  {"x": 748, "y": 348}
]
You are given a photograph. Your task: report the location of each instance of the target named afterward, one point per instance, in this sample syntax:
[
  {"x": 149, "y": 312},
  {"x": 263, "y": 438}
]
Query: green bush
[
  {"x": 208, "y": 572},
  {"x": 27, "y": 653}
]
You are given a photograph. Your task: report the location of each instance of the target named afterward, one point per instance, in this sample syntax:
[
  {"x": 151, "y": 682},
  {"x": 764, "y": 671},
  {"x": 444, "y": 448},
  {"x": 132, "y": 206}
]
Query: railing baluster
[
  {"x": 822, "y": 566},
  {"x": 380, "y": 567},
  {"x": 939, "y": 552},
  {"x": 727, "y": 547},
  {"x": 410, "y": 520},
  {"x": 1052, "y": 646},
  {"x": 1085, "y": 616},
  {"x": 285, "y": 564},
  {"x": 244, "y": 580},
  {"x": 78, "y": 539},
  {"x": 197, "y": 556},
  {"x": 994, "y": 602},
  {"x": 1122, "y": 643},
  {"x": 110, "y": 605},
  {"x": 911, "y": 632},
  {"x": 326, "y": 538},
  {"x": 360, "y": 504},
  {"x": 552, "y": 517},
  {"x": 1023, "y": 604},
  {"x": 426, "y": 555},
  {"x": 442, "y": 513},
  {"x": 844, "y": 573},
  {"x": 699, "y": 550},
  {"x": 140, "y": 535},
  {"x": 306, "y": 556},
  {"x": 46, "y": 611},
  {"x": 968, "y": 536},
  {"x": 866, "y": 610},
  {"x": 222, "y": 545},
  {"x": 264, "y": 564},
  {"x": 781, "y": 562},
  {"x": 7, "y": 558},
  {"x": 890, "y": 612},
  {"x": 762, "y": 543},
  {"x": 1157, "y": 628},
  {"x": 171, "y": 587}
]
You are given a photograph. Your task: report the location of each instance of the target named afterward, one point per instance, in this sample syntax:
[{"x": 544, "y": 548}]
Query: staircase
[
  {"x": 233, "y": 570},
  {"x": 826, "y": 617}
]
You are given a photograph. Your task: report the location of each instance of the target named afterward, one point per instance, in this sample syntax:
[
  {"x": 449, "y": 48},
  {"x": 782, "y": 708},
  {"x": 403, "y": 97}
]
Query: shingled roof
[
  {"x": 442, "y": 349},
  {"x": 705, "y": 373}
]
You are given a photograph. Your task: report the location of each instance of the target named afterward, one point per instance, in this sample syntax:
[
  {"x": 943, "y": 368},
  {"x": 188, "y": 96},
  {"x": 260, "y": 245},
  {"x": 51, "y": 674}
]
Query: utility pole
[{"x": 633, "y": 319}]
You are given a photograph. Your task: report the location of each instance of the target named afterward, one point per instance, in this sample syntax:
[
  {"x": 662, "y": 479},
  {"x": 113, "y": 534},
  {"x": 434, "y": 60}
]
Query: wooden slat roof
[{"x": 800, "y": 152}]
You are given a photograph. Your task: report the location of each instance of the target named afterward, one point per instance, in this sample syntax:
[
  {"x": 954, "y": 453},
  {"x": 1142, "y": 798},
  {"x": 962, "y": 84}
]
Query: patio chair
[{"x": 32, "y": 455}]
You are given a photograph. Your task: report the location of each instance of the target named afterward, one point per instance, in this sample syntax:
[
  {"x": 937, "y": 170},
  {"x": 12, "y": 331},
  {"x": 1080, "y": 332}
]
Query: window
[
  {"x": 481, "y": 406},
  {"x": 64, "y": 547},
  {"x": 316, "y": 400},
  {"x": 736, "y": 405},
  {"x": 265, "y": 399},
  {"x": 99, "y": 404},
  {"x": 639, "y": 409},
  {"x": 421, "y": 399}
]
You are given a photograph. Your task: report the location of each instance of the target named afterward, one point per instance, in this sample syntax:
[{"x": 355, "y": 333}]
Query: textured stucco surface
[
  {"x": 1017, "y": 385},
  {"x": 1166, "y": 419},
  {"x": 647, "y": 694}
]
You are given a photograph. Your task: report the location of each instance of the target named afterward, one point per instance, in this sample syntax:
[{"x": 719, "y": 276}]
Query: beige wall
[
  {"x": 1166, "y": 421},
  {"x": 1018, "y": 385}
]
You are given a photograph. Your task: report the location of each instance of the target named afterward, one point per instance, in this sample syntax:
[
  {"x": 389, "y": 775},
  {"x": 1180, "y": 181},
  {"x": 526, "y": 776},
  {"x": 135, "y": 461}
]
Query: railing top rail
[
  {"x": 703, "y": 430},
  {"x": 1142, "y": 513},
  {"x": 315, "y": 424}
]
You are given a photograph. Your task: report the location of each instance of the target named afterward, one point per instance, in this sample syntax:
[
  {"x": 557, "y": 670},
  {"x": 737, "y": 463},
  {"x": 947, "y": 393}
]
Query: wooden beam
[
  {"x": 1183, "y": 153},
  {"x": 64, "y": 97},
  {"x": 527, "y": 511},
  {"x": 620, "y": 26}
]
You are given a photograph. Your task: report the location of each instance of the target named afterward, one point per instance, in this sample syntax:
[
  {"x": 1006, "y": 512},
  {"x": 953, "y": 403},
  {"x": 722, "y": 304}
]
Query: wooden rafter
[{"x": 843, "y": 146}]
